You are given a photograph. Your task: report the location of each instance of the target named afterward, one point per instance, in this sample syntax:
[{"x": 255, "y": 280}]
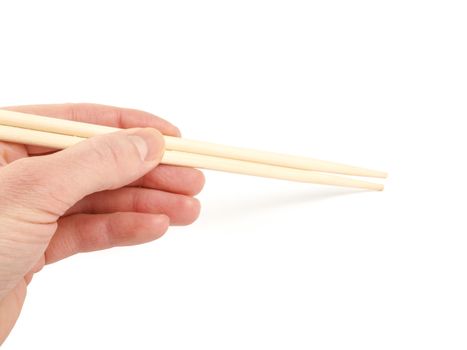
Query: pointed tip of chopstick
[
  {"x": 373, "y": 187},
  {"x": 57, "y": 130},
  {"x": 354, "y": 171},
  {"x": 382, "y": 174},
  {"x": 376, "y": 187},
  {"x": 379, "y": 174}
]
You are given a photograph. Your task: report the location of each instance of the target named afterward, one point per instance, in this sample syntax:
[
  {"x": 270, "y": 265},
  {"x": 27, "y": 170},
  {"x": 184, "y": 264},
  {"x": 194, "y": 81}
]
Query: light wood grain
[
  {"x": 60, "y": 141},
  {"x": 73, "y": 128}
]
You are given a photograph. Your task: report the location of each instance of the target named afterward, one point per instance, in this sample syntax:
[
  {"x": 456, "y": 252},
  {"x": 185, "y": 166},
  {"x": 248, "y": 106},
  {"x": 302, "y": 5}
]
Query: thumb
[{"x": 55, "y": 182}]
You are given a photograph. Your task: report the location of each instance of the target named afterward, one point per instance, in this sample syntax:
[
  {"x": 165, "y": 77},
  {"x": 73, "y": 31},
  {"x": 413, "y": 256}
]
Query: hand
[{"x": 101, "y": 193}]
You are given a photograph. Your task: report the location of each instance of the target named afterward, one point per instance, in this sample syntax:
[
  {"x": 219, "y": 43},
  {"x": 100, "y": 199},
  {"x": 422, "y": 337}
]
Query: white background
[{"x": 270, "y": 264}]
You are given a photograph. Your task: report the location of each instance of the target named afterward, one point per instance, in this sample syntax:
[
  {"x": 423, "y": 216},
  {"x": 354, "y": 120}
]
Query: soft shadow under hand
[{"x": 239, "y": 207}]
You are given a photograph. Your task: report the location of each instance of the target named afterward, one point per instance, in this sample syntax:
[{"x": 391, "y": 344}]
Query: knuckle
[
  {"x": 21, "y": 185},
  {"x": 113, "y": 158},
  {"x": 104, "y": 150},
  {"x": 22, "y": 175},
  {"x": 141, "y": 201},
  {"x": 25, "y": 183}
]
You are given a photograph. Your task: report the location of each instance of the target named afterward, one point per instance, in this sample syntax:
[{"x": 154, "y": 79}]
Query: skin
[{"x": 105, "y": 192}]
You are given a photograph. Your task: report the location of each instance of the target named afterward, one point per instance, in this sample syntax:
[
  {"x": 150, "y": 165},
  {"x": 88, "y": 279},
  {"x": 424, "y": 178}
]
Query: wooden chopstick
[
  {"x": 68, "y": 127},
  {"x": 61, "y": 141}
]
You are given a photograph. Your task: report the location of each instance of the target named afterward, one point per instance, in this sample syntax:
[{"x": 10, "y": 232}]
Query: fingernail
[
  {"x": 149, "y": 142},
  {"x": 177, "y": 132}
]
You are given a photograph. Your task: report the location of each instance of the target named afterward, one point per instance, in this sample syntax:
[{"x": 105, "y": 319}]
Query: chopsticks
[{"x": 59, "y": 134}]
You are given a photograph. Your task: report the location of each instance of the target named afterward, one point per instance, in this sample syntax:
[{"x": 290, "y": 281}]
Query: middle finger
[
  {"x": 187, "y": 181},
  {"x": 182, "y": 210}
]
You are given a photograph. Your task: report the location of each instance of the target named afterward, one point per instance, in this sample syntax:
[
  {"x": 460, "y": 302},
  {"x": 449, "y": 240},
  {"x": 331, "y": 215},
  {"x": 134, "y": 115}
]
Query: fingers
[
  {"x": 100, "y": 114},
  {"x": 182, "y": 210},
  {"x": 86, "y": 233},
  {"x": 186, "y": 181},
  {"x": 50, "y": 185}
]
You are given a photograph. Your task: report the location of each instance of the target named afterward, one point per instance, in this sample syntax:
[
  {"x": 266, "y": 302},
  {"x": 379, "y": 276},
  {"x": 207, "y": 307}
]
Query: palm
[{"x": 137, "y": 213}]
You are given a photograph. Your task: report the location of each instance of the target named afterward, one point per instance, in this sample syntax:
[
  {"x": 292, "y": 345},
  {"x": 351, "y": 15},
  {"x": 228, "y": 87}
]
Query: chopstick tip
[{"x": 379, "y": 174}]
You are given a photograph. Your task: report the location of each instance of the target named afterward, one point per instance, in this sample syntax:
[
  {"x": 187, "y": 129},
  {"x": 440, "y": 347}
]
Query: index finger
[{"x": 124, "y": 118}]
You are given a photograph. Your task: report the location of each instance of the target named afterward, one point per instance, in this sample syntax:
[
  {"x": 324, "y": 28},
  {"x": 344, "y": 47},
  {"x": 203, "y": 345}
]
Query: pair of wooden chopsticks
[{"x": 59, "y": 134}]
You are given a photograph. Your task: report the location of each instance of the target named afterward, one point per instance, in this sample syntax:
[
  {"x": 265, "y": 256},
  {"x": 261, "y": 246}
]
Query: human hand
[{"x": 104, "y": 192}]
